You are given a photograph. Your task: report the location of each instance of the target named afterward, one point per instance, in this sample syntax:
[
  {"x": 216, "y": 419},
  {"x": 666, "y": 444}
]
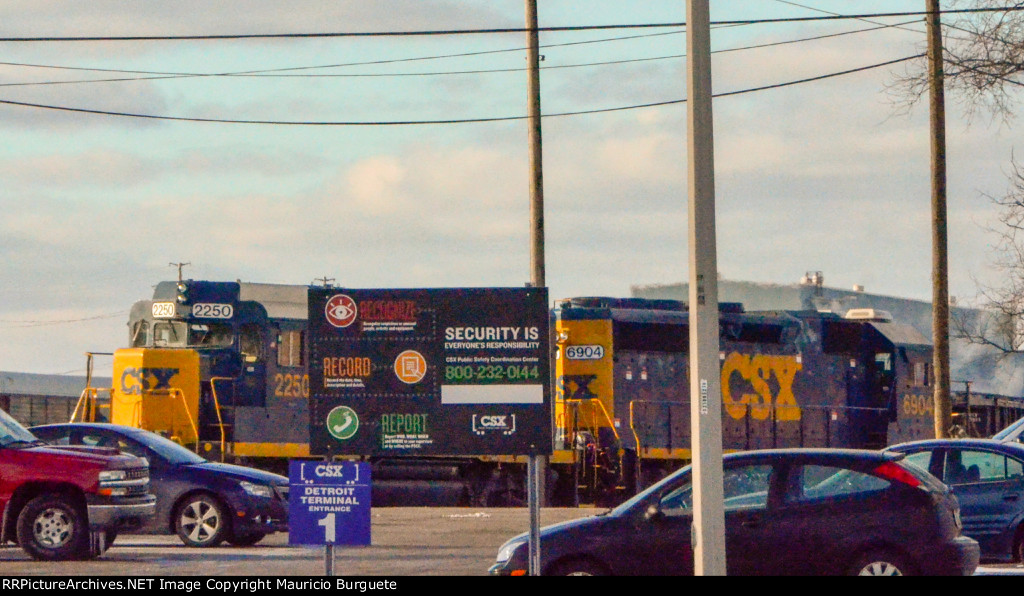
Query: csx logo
[
  {"x": 330, "y": 471},
  {"x": 747, "y": 386},
  {"x": 506, "y": 424},
  {"x": 136, "y": 380}
]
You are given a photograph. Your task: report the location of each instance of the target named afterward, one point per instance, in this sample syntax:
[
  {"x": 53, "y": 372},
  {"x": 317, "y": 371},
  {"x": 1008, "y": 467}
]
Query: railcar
[{"x": 224, "y": 367}]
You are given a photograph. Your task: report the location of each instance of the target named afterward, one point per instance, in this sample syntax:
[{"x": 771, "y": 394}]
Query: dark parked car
[
  {"x": 787, "y": 512},
  {"x": 204, "y": 502},
  {"x": 987, "y": 477}
]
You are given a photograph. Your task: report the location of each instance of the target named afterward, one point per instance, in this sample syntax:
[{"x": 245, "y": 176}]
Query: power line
[
  {"x": 276, "y": 73},
  {"x": 453, "y": 32},
  {"x": 349, "y": 64},
  {"x": 21, "y": 323},
  {"x": 443, "y": 121}
]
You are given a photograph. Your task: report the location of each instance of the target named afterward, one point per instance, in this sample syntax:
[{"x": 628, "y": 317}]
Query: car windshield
[
  {"x": 672, "y": 480},
  {"x": 12, "y": 433},
  {"x": 1009, "y": 431},
  {"x": 168, "y": 449}
]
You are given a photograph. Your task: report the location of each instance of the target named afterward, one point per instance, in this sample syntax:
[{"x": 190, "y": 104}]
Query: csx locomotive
[{"x": 223, "y": 367}]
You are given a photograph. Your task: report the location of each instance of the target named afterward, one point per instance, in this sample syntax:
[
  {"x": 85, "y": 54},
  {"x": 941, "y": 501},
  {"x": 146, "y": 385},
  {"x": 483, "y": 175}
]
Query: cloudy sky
[{"x": 820, "y": 176}]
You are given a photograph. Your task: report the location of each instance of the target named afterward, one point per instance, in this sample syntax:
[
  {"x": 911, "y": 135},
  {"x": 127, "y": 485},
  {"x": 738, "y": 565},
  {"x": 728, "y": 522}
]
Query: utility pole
[
  {"x": 940, "y": 262},
  {"x": 536, "y": 162},
  {"x": 705, "y": 369},
  {"x": 536, "y": 464}
]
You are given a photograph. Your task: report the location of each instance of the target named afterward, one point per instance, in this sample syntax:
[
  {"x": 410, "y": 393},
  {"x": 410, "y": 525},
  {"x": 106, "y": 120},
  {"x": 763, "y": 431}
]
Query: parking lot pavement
[{"x": 406, "y": 542}]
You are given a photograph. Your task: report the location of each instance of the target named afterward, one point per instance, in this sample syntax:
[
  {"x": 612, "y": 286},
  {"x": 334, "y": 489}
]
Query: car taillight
[{"x": 895, "y": 472}]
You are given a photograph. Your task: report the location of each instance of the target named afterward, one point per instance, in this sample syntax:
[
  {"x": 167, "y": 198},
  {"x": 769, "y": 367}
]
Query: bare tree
[
  {"x": 983, "y": 54},
  {"x": 1002, "y": 327}
]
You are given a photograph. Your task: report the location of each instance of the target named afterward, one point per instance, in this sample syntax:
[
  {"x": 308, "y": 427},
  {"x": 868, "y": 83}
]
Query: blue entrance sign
[{"x": 329, "y": 503}]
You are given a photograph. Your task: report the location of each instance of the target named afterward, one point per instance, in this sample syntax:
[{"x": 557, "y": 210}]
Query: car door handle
[
  {"x": 1012, "y": 497},
  {"x": 751, "y": 522}
]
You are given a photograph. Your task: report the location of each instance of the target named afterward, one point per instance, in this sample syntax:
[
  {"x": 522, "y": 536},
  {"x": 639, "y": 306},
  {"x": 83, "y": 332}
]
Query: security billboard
[{"x": 430, "y": 372}]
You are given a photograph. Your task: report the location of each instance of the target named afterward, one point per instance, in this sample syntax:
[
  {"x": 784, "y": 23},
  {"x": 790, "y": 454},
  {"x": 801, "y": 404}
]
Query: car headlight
[
  {"x": 506, "y": 550},
  {"x": 112, "y": 475},
  {"x": 257, "y": 490}
]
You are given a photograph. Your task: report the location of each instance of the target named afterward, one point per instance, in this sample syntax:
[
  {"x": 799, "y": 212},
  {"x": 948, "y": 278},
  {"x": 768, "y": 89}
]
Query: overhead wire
[
  {"x": 438, "y": 121},
  {"x": 480, "y": 31},
  {"x": 9, "y": 323},
  {"x": 274, "y": 73}
]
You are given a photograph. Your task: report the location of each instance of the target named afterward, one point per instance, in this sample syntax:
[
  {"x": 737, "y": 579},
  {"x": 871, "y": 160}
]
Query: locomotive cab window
[
  {"x": 140, "y": 334},
  {"x": 169, "y": 334},
  {"x": 921, "y": 374},
  {"x": 210, "y": 335},
  {"x": 290, "y": 348},
  {"x": 250, "y": 343}
]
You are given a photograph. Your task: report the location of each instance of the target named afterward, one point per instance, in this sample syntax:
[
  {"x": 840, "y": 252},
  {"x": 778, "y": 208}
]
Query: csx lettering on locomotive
[
  {"x": 136, "y": 380},
  {"x": 757, "y": 371}
]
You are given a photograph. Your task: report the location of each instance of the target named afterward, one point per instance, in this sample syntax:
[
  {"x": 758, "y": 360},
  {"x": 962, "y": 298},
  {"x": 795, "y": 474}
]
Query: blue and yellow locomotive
[{"x": 223, "y": 366}]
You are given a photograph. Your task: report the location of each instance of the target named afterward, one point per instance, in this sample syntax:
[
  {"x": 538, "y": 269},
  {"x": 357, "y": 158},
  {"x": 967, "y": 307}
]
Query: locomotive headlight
[{"x": 182, "y": 292}]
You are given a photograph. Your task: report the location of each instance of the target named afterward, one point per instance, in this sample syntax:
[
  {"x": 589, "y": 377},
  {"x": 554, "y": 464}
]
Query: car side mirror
[{"x": 654, "y": 513}]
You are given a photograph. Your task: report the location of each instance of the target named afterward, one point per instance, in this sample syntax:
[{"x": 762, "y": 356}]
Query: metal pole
[
  {"x": 329, "y": 560},
  {"x": 705, "y": 373},
  {"x": 533, "y": 501},
  {"x": 329, "y": 547},
  {"x": 536, "y": 463},
  {"x": 940, "y": 264}
]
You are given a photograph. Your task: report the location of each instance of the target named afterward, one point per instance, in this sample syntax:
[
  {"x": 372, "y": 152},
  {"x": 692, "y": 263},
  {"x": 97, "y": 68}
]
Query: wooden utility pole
[
  {"x": 536, "y": 165},
  {"x": 940, "y": 262},
  {"x": 536, "y": 464}
]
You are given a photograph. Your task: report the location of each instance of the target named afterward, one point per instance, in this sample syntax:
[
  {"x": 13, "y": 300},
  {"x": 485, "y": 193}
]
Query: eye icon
[{"x": 341, "y": 310}]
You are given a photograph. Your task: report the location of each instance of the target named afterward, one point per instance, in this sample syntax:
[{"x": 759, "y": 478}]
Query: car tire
[
  {"x": 246, "y": 539},
  {"x": 577, "y": 567},
  {"x": 53, "y": 528},
  {"x": 201, "y": 521},
  {"x": 1018, "y": 545},
  {"x": 880, "y": 563}
]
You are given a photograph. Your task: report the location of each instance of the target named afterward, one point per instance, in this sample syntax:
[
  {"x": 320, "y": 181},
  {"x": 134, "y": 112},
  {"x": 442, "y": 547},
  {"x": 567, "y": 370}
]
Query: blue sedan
[
  {"x": 987, "y": 476},
  {"x": 205, "y": 503}
]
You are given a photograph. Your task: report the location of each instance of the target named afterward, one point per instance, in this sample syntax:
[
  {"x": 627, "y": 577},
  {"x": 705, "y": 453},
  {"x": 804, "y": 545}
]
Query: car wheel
[
  {"x": 881, "y": 563},
  {"x": 1018, "y": 545},
  {"x": 51, "y": 528},
  {"x": 577, "y": 567},
  {"x": 201, "y": 521},
  {"x": 246, "y": 539}
]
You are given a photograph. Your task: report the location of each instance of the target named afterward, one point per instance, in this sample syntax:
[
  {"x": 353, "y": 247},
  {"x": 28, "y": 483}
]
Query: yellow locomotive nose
[{"x": 157, "y": 390}]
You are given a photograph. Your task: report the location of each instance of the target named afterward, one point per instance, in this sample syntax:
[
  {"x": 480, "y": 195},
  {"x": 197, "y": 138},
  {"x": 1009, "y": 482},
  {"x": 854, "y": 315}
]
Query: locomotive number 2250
[{"x": 291, "y": 385}]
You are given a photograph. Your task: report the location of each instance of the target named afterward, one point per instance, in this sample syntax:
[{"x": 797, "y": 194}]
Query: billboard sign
[{"x": 429, "y": 371}]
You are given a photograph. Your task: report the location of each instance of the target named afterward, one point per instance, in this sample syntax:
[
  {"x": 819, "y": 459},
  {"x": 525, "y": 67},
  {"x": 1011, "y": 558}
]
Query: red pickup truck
[{"x": 63, "y": 503}]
